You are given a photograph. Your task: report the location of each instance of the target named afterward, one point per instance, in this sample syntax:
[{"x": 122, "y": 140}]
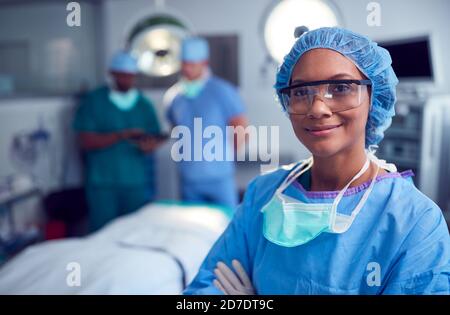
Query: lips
[{"x": 322, "y": 130}]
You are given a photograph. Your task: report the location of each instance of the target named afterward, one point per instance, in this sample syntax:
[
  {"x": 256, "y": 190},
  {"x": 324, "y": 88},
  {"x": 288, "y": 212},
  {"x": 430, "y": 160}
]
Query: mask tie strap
[
  {"x": 381, "y": 163},
  {"x": 342, "y": 192},
  {"x": 365, "y": 196},
  {"x": 295, "y": 173}
]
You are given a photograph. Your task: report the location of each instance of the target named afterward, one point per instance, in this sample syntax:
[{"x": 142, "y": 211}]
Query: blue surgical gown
[
  {"x": 208, "y": 178},
  {"x": 217, "y": 103},
  {"x": 400, "y": 234}
]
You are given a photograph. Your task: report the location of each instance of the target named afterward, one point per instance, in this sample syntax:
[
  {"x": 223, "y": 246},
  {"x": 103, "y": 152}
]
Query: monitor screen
[{"x": 411, "y": 58}]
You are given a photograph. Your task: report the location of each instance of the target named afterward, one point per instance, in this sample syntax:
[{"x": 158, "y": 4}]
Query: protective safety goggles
[{"x": 338, "y": 95}]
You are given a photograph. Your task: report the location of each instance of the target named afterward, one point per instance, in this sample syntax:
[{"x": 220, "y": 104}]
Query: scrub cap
[
  {"x": 372, "y": 60},
  {"x": 123, "y": 62},
  {"x": 194, "y": 49}
]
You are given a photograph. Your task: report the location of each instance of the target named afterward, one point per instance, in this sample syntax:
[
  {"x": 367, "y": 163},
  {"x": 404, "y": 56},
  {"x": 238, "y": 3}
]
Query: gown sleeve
[
  {"x": 232, "y": 102},
  {"x": 232, "y": 244},
  {"x": 423, "y": 263}
]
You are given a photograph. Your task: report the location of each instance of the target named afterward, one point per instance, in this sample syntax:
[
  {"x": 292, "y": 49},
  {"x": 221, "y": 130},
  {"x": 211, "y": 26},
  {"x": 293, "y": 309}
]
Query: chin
[
  {"x": 323, "y": 151},
  {"x": 322, "y": 148}
]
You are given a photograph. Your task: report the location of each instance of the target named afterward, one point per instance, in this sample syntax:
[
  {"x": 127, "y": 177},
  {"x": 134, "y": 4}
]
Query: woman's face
[{"x": 348, "y": 126}]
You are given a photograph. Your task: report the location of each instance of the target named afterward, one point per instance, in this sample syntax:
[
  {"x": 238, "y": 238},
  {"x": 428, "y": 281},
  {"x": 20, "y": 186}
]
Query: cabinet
[{"x": 419, "y": 139}]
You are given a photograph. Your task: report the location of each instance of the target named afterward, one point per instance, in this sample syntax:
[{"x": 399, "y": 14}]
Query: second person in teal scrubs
[{"x": 114, "y": 124}]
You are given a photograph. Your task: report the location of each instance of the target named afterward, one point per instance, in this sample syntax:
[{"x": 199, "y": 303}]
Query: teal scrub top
[{"x": 122, "y": 163}]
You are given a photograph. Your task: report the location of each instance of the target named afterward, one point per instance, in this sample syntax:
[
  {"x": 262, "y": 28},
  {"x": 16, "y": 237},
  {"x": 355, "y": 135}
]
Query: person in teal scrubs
[{"x": 114, "y": 125}]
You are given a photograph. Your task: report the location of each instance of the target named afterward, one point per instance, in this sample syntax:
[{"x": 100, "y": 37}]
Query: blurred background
[{"x": 47, "y": 64}]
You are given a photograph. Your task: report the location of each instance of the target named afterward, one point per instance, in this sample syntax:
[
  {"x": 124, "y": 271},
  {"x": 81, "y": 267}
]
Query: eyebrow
[{"x": 334, "y": 77}]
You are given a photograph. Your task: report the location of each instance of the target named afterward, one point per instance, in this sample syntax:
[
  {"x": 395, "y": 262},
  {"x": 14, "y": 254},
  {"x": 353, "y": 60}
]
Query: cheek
[
  {"x": 197, "y": 70},
  {"x": 355, "y": 125},
  {"x": 124, "y": 80},
  {"x": 297, "y": 125},
  {"x": 186, "y": 69}
]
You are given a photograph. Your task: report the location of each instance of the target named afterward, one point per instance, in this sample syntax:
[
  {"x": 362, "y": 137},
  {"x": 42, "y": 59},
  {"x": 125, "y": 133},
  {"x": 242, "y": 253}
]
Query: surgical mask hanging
[
  {"x": 289, "y": 222},
  {"x": 192, "y": 88},
  {"x": 124, "y": 100}
]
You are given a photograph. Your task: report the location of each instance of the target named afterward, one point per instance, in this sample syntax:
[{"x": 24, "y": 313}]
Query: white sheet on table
[{"x": 107, "y": 267}]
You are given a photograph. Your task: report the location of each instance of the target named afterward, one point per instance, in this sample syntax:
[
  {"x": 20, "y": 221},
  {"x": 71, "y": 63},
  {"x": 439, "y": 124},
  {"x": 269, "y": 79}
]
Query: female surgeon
[{"x": 342, "y": 221}]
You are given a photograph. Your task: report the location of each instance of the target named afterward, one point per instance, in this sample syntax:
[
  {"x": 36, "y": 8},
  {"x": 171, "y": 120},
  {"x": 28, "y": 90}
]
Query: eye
[
  {"x": 340, "y": 89},
  {"x": 300, "y": 92}
]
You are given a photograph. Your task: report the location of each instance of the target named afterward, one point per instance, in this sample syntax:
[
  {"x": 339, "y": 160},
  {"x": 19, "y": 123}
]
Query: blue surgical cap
[
  {"x": 194, "y": 49},
  {"x": 123, "y": 62},
  {"x": 373, "y": 61}
]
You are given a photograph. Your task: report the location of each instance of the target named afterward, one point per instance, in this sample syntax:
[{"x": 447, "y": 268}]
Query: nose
[{"x": 318, "y": 109}]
